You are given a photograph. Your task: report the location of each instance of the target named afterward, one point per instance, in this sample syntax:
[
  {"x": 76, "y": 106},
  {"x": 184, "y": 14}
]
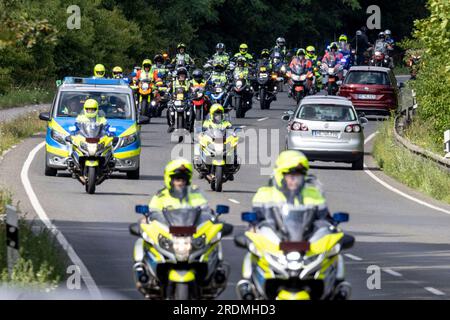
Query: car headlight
[
  {"x": 127, "y": 140},
  {"x": 182, "y": 247},
  {"x": 58, "y": 137}
]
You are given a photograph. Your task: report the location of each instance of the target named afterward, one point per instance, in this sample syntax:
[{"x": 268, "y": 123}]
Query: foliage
[{"x": 410, "y": 169}]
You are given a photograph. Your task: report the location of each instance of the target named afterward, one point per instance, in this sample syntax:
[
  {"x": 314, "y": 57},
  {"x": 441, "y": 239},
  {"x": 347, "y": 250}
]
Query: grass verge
[
  {"x": 24, "y": 96},
  {"x": 42, "y": 262},
  {"x": 408, "y": 168},
  {"x": 14, "y": 131}
]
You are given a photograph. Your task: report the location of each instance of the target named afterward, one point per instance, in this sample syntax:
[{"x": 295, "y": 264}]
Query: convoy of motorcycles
[{"x": 178, "y": 254}]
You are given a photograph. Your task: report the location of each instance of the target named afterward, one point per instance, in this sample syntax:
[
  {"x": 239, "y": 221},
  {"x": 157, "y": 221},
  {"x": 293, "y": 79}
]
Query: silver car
[{"x": 327, "y": 128}]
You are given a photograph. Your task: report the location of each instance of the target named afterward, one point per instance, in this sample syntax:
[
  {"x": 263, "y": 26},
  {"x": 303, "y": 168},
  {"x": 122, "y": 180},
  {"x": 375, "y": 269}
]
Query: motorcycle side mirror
[
  {"x": 142, "y": 209},
  {"x": 45, "y": 116},
  {"x": 240, "y": 241},
  {"x": 348, "y": 241},
  {"x": 135, "y": 229},
  {"x": 340, "y": 217},
  {"x": 143, "y": 120},
  {"x": 227, "y": 229},
  {"x": 249, "y": 217},
  {"x": 222, "y": 209}
]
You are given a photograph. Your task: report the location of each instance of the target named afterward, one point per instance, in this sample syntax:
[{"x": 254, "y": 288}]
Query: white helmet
[
  {"x": 281, "y": 41},
  {"x": 388, "y": 32}
]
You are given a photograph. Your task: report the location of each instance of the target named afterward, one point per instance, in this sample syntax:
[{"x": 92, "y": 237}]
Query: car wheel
[
  {"x": 358, "y": 164},
  {"x": 50, "y": 172},
  {"x": 133, "y": 175}
]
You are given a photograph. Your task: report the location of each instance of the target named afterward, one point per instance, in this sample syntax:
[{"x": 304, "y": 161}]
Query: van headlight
[
  {"x": 58, "y": 137},
  {"x": 127, "y": 140}
]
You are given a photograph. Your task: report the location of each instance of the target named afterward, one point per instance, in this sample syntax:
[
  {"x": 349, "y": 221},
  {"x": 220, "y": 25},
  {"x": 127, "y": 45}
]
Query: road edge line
[
  {"x": 85, "y": 275},
  {"x": 401, "y": 193}
]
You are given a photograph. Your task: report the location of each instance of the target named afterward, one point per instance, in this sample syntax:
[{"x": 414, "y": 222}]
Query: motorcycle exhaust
[
  {"x": 245, "y": 290},
  {"x": 343, "y": 291}
]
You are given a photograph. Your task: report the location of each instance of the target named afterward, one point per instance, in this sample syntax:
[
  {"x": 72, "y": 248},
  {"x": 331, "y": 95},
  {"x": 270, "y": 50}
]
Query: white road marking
[
  {"x": 392, "y": 272},
  {"x": 388, "y": 186},
  {"x": 262, "y": 119},
  {"x": 85, "y": 275},
  {"x": 435, "y": 291},
  {"x": 350, "y": 256},
  {"x": 234, "y": 201}
]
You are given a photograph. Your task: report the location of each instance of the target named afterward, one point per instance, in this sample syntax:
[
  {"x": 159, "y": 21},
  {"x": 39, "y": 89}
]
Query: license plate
[
  {"x": 324, "y": 133},
  {"x": 367, "y": 96}
]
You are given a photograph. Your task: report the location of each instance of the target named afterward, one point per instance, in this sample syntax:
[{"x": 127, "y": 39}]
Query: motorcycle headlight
[
  {"x": 331, "y": 71},
  {"x": 239, "y": 84},
  {"x": 144, "y": 86},
  {"x": 165, "y": 243},
  {"x": 198, "y": 243},
  {"x": 58, "y": 137},
  {"x": 283, "y": 68},
  {"x": 182, "y": 247},
  {"x": 127, "y": 140},
  {"x": 92, "y": 148}
]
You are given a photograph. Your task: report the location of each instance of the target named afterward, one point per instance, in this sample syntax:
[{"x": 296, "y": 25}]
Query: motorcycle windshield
[
  {"x": 185, "y": 217},
  {"x": 216, "y": 134},
  {"x": 90, "y": 129},
  {"x": 297, "y": 69},
  {"x": 297, "y": 222}
]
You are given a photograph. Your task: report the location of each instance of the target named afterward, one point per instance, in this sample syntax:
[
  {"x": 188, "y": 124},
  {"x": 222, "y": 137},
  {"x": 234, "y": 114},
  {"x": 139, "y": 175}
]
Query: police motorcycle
[
  {"x": 280, "y": 68},
  {"x": 293, "y": 256},
  {"x": 300, "y": 82},
  {"x": 218, "y": 161},
  {"x": 266, "y": 86},
  {"x": 241, "y": 94},
  {"x": 180, "y": 110},
  {"x": 330, "y": 76},
  {"x": 178, "y": 253},
  {"x": 91, "y": 158}
]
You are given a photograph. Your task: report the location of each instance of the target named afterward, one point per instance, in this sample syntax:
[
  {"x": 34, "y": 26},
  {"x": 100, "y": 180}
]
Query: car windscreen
[
  {"x": 112, "y": 105},
  {"x": 367, "y": 77},
  {"x": 326, "y": 112}
]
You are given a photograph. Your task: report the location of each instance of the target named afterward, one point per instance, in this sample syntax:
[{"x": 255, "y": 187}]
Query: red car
[{"x": 372, "y": 90}]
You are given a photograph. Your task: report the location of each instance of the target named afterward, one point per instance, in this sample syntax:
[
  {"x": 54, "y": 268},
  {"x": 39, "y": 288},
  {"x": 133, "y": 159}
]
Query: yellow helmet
[
  {"x": 342, "y": 37},
  {"x": 117, "y": 72},
  {"x": 90, "y": 108},
  {"x": 310, "y": 52},
  {"x": 181, "y": 167},
  {"x": 146, "y": 62},
  {"x": 214, "y": 108},
  {"x": 99, "y": 71},
  {"x": 290, "y": 161},
  {"x": 243, "y": 48}
]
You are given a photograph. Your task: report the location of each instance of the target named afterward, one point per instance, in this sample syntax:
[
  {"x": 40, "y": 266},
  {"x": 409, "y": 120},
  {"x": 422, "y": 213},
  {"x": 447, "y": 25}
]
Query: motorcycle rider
[
  {"x": 280, "y": 46},
  {"x": 182, "y": 82},
  {"x": 159, "y": 70},
  {"x": 332, "y": 55},
  {"x": 145, "y": 72},
  {"x": 361, "y": 45},
  {"x": 182, "y": 58},
  {"x": 91, "y": 114},
  {"x": 391, "y": 43},
  {"x": 311, "y": 56},
  {"x": 178, "y": 191},
  {"x": 300, "y": 59},
  {"x": 198, "y": 79},
  {"x": 243, "y": 53},
  {"x": 346, "y": 51},
  {"x": 99, "y": 71},
  {"x": 220, "y": 55},
  {"x": 117, "y": 73},
  {"x": 216, "y": 118},
  {"x": 265, "y": 59}
]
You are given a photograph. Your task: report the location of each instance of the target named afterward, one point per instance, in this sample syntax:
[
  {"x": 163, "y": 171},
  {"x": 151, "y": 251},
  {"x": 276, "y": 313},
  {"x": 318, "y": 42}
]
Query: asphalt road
[{"x": 409, "y": 242}]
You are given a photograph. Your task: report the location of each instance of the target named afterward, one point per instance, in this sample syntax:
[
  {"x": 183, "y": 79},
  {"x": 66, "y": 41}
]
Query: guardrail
[{"x": 402, "y": 121}]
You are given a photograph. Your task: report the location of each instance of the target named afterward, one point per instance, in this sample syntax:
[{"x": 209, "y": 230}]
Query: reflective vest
[
  {"x": 271, "y": 196},
  {"x": 209, "y": 124},
  {"x": 164, "y": 200}
]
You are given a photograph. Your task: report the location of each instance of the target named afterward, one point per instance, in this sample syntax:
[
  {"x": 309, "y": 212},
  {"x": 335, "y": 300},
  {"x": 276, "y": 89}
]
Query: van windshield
[{"x": 112, "y": 105}]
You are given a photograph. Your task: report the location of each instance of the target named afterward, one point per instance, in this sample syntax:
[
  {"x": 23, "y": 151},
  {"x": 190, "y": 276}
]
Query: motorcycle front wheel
[
  {"x": 262, "y": 98},
  {"x": 90, "y": 181},
  {"x": 216, "y": 184}
]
